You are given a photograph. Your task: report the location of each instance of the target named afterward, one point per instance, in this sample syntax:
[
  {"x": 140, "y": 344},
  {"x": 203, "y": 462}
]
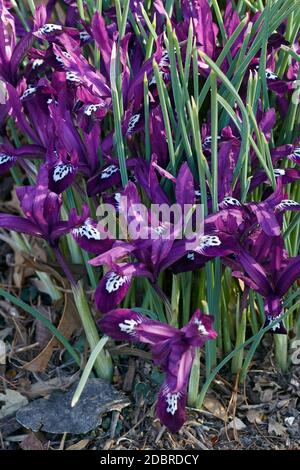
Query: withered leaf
[
  {"x": 31, "y": 442},
  {"x": 69, "y": 322},
  {"x": 215, "y": 407}
]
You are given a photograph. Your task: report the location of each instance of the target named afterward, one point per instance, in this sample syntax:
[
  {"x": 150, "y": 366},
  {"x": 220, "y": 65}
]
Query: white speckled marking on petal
[
  {"x": 36, "y": 63},
  {"x": 132, "y": 123},
  {"x": 208, "y": 140},
  {"x": 61, "y": 171},
  {"x": 109, "y": 171},
  {"x": 231, "y": 201},
  {"x": 115, "y": 281},
  {"x": 165, "y": 60},
  {"x": 172, "y": 402},
  {"x": 73, "y": 77},
  {"x": 208, "y": 241},
  {"x": 29, "y": 91},
  {"x": 4, "y": 158},
  {"x": 92, "y": 108},
  {"x": 295, "y": 156},
  {"x": 286, "y": 203},
  {"x": 270, "y": 319},
  {"x": 279, "y": 172},
  {"x": 87, "y": 230},
  {"x": 271, "y": 76},
  {"x": 84, "y": 35},
  {"x": 49, "y": 28},
  {"x": 201, "y": 327},
  {"x": 129, "y": 326}
]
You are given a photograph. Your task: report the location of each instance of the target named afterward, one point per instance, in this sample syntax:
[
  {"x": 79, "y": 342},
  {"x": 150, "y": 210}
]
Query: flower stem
[{"x": 63, "y": 264}]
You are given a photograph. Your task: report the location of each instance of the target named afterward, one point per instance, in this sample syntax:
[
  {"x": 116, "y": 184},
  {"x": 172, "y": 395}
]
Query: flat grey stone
[{"x": 55, "y": 415}]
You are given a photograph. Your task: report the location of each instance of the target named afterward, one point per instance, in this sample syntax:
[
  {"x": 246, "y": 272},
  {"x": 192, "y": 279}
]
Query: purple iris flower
[
  {"x": 272, "y": 284},
  {"x": 16, "y": 111},
  {"x": 50, "y": 32},
  {"x": 158, "y": 137},
  {"x": 92, "y": 236},
  {"x": 132, "y": 123},
  {"x": 265, "y": 213},
  {"x": 147, "y": 177},
  {"x": 147, "y": 255},
  {"x": 172, "y": 349},
  {"x": 289, "y": 151},
  {"x": 285, "y": 175},
  {"x": 78, "y": 71},
  {"x": 62, "y": 169},
  {"x": 260, "y": 259},
  {"x": 104, "y": 37},
  {"x": 241, "y": 219},
  {"x": 41, "y": 208},
  {"x": 10, "y": 155},
  {"x": 41, "y": 111},
  {"x": 205, "y": 30},
  {"x": 103, "y": 41},
  {"x": 11, "y": 51},
  {"x": 65, "y": 129},
  {"x": 230, "y": 231},
  {"x": 108, "y": 177},
  {"x": 217, "y": 241},
  {"x": 135, "y": 90},
  {"x": 231, "y": 22},
  {"x": 229, "y": 144},
  {"x": 159, "y": 245},
  {"x": 93, "y": 109}
]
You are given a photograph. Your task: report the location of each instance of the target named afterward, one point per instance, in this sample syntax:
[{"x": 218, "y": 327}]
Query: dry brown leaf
[
  {"x": 236, "y": 424},
  {"x": 79, "y": 445},
  {"x": 276, "y": 428},
  {"x": 215, "y": 407},
  {"x": 69, "y": 322},
  {"x": 129, "y": 376},
  {"x": 21, "y": 272},
  {"x": 31, "y": 442},
  {"x": 18, "y": 272},
  {"x": 117, "y": 350},
  {"x": 37, "y": 264},
  {"x": 13, "y": 401},
  {"x": 255, "y": 416},
  {"x": 267, "y": 395},
  {"x": 42, "y": 389},
  {"x": 38, "y": 250},
  {"x": 42, "y": 334}
]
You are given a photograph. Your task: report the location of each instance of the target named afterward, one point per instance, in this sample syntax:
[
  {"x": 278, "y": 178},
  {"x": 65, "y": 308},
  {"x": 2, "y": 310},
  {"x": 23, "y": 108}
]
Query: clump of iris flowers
[{"x": 163, "y": 103}]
